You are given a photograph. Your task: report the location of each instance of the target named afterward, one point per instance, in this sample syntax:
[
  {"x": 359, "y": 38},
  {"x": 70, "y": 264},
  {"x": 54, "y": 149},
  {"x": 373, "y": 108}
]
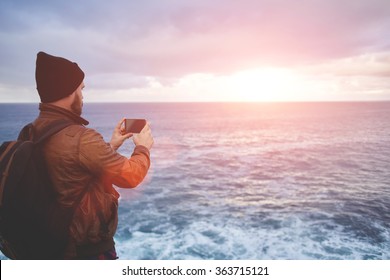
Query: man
[{"x": 81, "y": 163}]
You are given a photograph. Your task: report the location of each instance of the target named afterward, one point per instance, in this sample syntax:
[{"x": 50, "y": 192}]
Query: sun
[
  {"x": 263, "y": 84},
  {"x": 250, "y": 85}
]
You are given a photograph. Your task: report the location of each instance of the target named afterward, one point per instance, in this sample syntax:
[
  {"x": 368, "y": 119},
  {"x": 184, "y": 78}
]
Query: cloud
[
  {"x": 168, "y": 40},
  {"x": 221, "y": 37},
  {"x": 365, "y": 65},
  {"x": 120, "y": 81}
]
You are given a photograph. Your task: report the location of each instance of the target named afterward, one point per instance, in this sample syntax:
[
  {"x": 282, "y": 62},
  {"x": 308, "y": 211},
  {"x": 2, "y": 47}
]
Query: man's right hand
[{"x": 144, "y": 138}]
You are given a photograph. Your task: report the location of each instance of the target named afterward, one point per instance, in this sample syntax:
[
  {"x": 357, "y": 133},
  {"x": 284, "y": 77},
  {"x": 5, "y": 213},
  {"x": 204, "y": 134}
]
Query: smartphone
[{"x": 134, "y": 125}]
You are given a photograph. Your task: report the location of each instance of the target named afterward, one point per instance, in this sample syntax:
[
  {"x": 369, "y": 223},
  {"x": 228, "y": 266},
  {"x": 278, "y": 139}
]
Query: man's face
[{"x": 77, "y": 104}]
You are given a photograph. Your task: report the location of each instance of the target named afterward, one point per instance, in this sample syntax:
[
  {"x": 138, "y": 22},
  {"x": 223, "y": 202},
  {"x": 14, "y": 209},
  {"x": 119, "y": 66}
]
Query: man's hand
[
  {"x": 144, "y": 138},
  {"x": 119, "y": 135}
]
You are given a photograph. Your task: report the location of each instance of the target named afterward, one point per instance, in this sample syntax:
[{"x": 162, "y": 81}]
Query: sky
[{"x": 219, "y": 50}]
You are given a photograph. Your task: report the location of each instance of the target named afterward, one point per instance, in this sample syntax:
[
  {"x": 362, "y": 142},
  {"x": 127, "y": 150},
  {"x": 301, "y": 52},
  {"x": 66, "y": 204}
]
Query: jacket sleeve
[{"x": 101, "y": 160}]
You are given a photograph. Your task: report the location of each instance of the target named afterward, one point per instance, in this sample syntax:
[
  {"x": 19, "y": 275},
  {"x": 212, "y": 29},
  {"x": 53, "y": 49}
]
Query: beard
[{"x": 77, "y": 105}]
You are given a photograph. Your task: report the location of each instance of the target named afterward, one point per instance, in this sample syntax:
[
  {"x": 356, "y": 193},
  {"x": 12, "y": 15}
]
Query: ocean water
[{"x": 251, "y": 180}]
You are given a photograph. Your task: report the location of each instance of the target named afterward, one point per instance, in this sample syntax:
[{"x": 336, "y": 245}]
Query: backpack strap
[
  {"x": 27, "y": 133},
  {"x": 51, "y": 129}
]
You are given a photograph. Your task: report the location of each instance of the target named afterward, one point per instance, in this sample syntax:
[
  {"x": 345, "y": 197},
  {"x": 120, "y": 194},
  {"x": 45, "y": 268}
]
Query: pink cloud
[
  {"x": 171, "y": 39},
  {"x": 221, "y": 37}
]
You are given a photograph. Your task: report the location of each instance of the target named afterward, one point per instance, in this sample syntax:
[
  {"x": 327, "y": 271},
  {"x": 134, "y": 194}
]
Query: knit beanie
[{"x": 56, "y": 77}]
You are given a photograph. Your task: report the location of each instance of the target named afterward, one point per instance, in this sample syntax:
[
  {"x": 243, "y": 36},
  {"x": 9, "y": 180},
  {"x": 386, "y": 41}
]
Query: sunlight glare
[{"x": 264, "y": 84}]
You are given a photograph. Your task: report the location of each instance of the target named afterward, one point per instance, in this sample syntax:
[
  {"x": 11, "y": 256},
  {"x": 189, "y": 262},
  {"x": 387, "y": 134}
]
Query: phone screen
[{"x": 134, "y": 125}]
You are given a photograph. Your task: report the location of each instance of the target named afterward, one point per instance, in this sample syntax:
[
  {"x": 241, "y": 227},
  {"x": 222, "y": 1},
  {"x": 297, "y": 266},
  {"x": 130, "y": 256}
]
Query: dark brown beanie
[{"x": 56, "y": 77}]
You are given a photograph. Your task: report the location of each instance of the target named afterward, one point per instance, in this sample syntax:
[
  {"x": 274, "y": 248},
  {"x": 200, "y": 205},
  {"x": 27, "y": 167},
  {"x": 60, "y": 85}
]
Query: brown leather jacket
[{"x": 79, "y": 158}]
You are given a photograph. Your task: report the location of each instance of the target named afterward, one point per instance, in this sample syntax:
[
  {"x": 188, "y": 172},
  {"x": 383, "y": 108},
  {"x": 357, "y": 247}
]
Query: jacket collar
[{"x": 61, "y": 113}]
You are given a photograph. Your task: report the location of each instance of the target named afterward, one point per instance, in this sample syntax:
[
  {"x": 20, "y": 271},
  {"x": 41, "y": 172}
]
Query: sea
[{"x": 262, "y": 181}]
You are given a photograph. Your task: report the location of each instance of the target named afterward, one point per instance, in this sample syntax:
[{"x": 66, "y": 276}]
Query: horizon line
[{"x": 274, "y": 101}]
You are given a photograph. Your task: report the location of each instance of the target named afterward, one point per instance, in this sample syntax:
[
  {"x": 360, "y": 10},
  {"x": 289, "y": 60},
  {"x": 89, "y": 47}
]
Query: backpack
[{"x": 33, "y": 225}]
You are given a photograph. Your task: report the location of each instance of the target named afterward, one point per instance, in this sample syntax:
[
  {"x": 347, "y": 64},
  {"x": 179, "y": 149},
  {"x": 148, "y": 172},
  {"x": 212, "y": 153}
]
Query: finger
[
  {"x": 128, "y": 135},
  {"x": 145, "y": 128},
  {"x": 119, "y": 125}
]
